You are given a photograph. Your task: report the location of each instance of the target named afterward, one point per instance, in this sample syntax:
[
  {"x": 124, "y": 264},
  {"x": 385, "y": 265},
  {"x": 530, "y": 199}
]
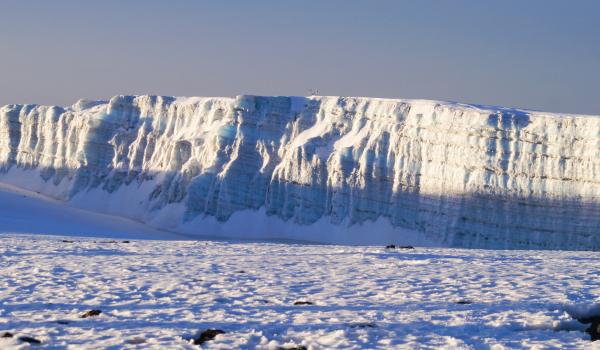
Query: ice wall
[{"x": 454, "y": 174}]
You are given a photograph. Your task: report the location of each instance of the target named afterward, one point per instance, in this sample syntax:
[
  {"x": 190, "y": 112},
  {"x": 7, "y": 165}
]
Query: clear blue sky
[{"x": 532, "y": 54}]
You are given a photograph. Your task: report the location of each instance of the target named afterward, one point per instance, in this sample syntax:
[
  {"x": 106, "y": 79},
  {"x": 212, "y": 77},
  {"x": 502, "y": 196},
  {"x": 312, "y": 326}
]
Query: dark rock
[
  {"x": 594, "y": 329},
  {"x": 363, "y": 325},
  {"x": 206, "y": 335},
  {"x": 30, "y": 340},
  {"x": 241, "y": 271},
  {"x": 393, "y": 246},
  {"x": 62, "y": 322},
  {"x": 303, "y": 303},
  {"x": 90, "y": 313},
  {"x": 67, "y": 241},
  {"x": 7, "y": 335},
  {"x": 299, "y": 347},
  {"x": 464, "y": 302},
  {"x": 126, "y": 242},
  {"x": 135, "y": 341}
]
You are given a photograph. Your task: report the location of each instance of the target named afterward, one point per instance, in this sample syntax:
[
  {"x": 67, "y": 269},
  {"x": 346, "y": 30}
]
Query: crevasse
[{"x": 325, "y": 169}]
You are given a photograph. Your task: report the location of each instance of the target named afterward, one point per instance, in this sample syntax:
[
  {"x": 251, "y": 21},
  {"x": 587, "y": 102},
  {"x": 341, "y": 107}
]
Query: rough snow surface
[
  {"x": 161, "y": 292},
  {"x": 326, "y": 169}
]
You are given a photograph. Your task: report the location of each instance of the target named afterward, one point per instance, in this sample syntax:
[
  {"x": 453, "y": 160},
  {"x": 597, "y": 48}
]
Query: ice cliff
[{"x": 327, "y": 169}]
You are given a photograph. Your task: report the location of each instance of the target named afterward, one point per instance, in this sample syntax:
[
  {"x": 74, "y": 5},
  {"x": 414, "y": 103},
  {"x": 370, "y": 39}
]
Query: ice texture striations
[{"x": 328, "y": 169}]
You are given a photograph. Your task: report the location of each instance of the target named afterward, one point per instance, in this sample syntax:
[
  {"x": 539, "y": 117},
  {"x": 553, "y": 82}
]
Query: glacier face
[{"x": 454, "y": 174}]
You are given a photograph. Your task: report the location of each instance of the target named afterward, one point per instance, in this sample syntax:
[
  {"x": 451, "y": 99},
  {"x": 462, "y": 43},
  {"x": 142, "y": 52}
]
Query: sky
[{"x": 542, "y": 55}]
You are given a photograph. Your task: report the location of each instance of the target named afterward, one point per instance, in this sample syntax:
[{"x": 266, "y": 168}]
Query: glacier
[{"x": 325, "y": 169}]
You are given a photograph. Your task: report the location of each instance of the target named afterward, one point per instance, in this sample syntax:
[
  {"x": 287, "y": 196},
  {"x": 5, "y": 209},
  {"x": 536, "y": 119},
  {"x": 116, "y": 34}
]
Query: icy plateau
[{"x": 321, "y": 169}]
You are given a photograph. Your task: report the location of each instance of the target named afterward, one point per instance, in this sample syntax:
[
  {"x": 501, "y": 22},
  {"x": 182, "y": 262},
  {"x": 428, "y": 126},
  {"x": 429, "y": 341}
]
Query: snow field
[{"x": 158, "y": 293}]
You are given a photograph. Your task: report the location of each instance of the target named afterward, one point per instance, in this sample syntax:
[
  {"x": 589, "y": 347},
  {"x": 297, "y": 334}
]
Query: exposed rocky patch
[
  {"x": 594, "y": 329},
  {"x": 30, "y": 340},
  {"x": 363, "y": 325},
  {"x": 206, "y": 335},
  {"x": 393, "y": 246},
  {"x": 90, "y": 313},
  {"x": 136, "y": 341}
]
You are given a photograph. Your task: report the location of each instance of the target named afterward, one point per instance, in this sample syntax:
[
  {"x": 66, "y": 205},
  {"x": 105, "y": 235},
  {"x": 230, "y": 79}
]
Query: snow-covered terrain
[
  {"x": 325, "y": 169},
  {"x": 157, "y": 294},
  {"x": 165, "y": 291}
]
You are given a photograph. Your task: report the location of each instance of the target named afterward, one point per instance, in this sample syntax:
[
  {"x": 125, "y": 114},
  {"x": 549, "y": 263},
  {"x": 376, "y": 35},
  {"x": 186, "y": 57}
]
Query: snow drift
[{"x": 326, "y": 169}]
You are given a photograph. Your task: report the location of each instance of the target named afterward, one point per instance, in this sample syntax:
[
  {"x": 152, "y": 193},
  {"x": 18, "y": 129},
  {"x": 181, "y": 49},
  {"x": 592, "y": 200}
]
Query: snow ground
[{"x": 158, "y": 292}]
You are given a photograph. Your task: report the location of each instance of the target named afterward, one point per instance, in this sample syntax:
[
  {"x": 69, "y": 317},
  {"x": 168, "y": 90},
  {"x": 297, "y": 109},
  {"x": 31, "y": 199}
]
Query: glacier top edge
[{"x": 86, "y": 104}]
